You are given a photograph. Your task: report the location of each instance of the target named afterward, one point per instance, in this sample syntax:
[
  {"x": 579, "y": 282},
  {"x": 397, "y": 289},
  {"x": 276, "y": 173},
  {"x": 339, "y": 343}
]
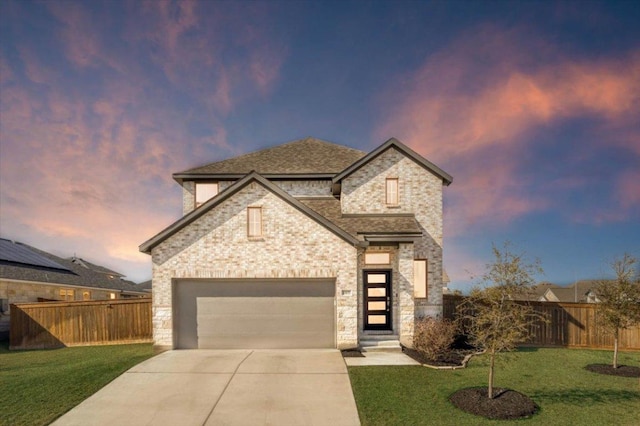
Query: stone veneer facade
[
  {"x": 420, "y": 193},
  {"x": 293, "y": 246}
]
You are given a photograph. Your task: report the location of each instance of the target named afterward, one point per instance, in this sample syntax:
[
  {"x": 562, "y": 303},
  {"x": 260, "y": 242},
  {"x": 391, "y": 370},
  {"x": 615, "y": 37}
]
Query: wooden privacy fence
[
  {"x": 58, "y": 324},
  {"x": 571, "y": 325}
]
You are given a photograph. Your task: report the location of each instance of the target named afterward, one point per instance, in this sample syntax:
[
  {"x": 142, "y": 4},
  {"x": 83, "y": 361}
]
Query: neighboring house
[
  {"x": 538, "y": 291},
  {"x": 145, "y": 286},
  {"x": 305, "y": 244},
  {"x": 579, "y": 292},
  {"x": 31, "y": 275},
  {"x": 445, "y": 282}
]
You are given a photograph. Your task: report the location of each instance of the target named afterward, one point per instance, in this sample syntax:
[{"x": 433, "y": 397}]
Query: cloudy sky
[{"x": 533, "y": 107}]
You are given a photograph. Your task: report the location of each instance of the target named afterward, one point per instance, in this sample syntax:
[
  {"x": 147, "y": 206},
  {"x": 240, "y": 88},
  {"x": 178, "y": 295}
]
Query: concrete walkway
[
  {"x": 225, "y": 387},
  {"x": 381, "y": 358}
]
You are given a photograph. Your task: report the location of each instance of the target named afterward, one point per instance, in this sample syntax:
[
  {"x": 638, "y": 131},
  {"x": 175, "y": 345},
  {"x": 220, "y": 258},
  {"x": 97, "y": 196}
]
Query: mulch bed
[
  {"x": 506, "y": 405},
  {"x": 352, "y": 353},
  {"x": 621, "y": 371},
  {"x": 452, "y": 358}
]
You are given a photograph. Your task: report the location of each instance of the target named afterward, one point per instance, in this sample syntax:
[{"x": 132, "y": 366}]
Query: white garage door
[{"x": 216, "y": 314}]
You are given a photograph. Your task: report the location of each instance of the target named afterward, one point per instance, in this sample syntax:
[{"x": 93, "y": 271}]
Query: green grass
[
  {"x": 36, "y": 387},
  {"x": 554, "y": 378}
]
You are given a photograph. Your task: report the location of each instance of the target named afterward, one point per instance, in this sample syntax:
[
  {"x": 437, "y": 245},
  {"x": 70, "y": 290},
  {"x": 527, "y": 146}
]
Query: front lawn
[
  {"x": 554, "y": 378},
  {"x": 36, "y": 387}
]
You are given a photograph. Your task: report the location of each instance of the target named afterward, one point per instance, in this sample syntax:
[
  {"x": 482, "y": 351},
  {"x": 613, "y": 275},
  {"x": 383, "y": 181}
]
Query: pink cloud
[
  {"x": 81, "y": 39},
  {"x": 474, "y": 107},
  {"x": 628, "y": 189},
  {"x": 87, "y": 188},
  {"x": 210, "y": 52}
]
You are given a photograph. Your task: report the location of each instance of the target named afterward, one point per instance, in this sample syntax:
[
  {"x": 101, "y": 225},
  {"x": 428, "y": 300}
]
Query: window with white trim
[
  {"x": 67, "y": 294},
  {"x": 86, "y": 295},
  {"x": 392, "y": 198},
  {"x": 420, "y": 279},
  {"x": 254, "y": 222},
  {"x": 205, "y": 191}
]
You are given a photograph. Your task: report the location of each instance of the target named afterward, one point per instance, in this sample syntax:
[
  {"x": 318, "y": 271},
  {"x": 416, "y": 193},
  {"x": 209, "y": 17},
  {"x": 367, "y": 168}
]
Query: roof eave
[
  {"x": 180, "y": 177},
  {"x": 392, "y": 238}
]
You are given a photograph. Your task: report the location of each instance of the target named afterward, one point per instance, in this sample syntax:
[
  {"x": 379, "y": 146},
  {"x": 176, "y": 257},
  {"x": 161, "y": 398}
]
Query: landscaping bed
[
  {"x": 453, "y": 358},
  {"x": 505, "y": 405},
  {"x": 554, "y": 379},
  {"x": 621, "y": 371}
]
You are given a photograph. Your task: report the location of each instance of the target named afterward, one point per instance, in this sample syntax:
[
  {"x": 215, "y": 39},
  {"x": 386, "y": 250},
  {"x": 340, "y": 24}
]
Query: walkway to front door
[{"x": 377, "y": 306}]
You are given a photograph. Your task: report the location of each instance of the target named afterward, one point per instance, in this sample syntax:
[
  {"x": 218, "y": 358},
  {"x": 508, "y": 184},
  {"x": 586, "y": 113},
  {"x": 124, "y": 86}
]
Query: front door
[{"x": 377, "y": 300}]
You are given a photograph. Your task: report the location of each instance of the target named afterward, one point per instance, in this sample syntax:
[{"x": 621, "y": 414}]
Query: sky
[{"x": 532, "y": 107}]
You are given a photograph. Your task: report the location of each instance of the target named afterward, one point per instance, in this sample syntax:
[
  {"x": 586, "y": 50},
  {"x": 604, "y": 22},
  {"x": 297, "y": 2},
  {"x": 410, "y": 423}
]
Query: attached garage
[{"x": 254, "y": 313}]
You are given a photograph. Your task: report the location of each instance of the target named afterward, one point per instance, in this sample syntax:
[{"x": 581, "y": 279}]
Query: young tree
[
  {"x": 619, "y": 299},
  {"x": 494, "y": 320}
]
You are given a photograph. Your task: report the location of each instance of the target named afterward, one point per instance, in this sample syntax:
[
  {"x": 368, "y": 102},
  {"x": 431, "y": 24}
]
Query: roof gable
[
  {"x": 393, "y": 142},
  {"x": 308, "y": 156},
  {"x": 147, "y": 246}
]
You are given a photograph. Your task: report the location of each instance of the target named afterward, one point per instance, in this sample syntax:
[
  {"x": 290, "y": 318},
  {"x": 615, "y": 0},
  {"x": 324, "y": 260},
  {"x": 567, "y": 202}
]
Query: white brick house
[{"x": 305, "y": 244}]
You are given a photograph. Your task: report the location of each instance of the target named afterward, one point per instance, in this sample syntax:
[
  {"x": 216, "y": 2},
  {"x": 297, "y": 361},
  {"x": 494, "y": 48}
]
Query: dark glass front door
[{"x": 377, "y": 300}]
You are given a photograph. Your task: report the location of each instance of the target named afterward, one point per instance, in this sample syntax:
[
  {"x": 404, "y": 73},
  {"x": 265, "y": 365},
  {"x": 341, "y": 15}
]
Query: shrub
[{"x": 432, "y": 337}]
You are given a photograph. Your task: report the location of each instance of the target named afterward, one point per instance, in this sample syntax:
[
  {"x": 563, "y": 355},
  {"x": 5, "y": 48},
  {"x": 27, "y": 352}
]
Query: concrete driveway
[{"x": 225, "y": 387}]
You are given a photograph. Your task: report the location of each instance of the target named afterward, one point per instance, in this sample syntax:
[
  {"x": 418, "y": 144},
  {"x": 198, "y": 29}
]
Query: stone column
[{"x": 405, "y": 284}]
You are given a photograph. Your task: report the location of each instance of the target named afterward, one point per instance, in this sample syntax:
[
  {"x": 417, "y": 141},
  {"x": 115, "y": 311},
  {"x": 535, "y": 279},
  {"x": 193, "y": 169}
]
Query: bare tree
[
  {"x": 491, "y": 316},
  {"x": 619, "y": 299}
]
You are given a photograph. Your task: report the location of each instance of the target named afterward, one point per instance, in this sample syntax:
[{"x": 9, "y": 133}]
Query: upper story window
[
  {"x": 254, "y": 222},
  {"x": 205, "y": 191},
  {"x": 392, "y": 192}
]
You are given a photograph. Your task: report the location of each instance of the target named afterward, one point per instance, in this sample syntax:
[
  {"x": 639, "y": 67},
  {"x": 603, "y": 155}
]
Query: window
[
  {"x": 205, "y": 191},
  {"x": 67, "y": 294},
  {"x": 420, "y": 278},
  {"x": 254, "y": 221},
  {"x": 86, "y": 295},
  {"x": 113, "y": 296},
  {"x": 377, "y": 258},
  {"x": 392, "y": 192}
]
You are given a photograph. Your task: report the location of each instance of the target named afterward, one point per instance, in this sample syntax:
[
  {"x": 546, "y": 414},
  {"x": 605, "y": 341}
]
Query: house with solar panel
[
  {"x": 28, "y": 274},
  {"x": 308, "y": 244}
]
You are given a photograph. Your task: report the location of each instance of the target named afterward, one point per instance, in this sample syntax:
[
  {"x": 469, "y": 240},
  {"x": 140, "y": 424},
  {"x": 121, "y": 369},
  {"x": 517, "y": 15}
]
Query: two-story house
[{"x": 308, "y": 244}]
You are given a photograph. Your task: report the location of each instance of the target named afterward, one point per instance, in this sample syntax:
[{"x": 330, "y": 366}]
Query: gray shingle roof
[
  {"x": 573, "y": 294},
  {"x": 304, "y": 156},
  {"x": 145, "y": 286},
  {"x": 95, "y": 267},
  {"x": 363, "y": 224},
  {"x": 72, "y": 274}
]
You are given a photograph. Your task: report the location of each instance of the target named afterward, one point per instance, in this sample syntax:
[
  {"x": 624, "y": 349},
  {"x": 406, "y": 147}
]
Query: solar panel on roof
[{"x": 12, "y": 252}]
